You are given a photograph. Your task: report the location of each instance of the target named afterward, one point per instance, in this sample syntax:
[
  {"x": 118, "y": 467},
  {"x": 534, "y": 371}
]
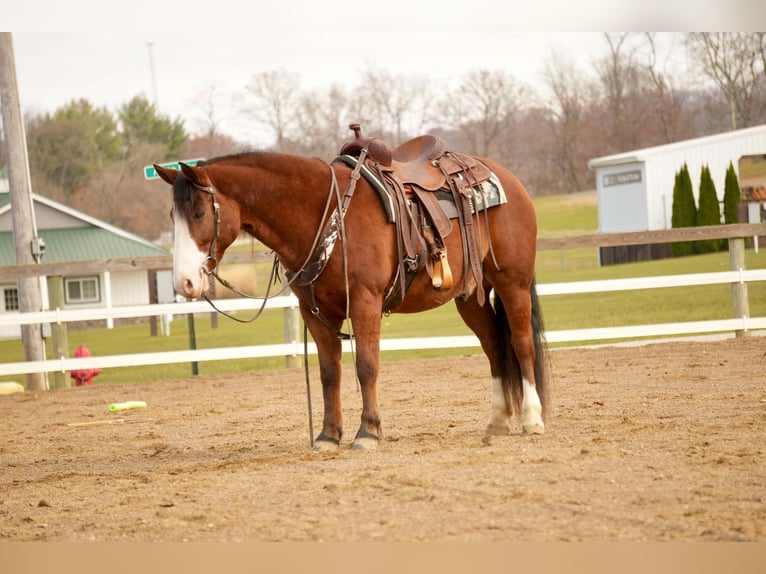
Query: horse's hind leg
[
  {"x": 509, "y": 343},
  {"x": 517, "y": 310},
  {"x": 481, "y": 320}
]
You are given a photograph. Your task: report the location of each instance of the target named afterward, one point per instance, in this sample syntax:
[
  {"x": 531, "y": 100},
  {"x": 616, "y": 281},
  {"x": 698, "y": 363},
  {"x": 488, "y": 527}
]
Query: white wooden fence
[{"x": 295, "y": 348}]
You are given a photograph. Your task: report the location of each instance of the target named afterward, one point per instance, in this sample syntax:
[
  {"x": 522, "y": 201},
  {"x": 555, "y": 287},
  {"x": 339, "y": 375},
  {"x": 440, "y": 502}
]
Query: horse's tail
[{"x": 509, "y": 362}]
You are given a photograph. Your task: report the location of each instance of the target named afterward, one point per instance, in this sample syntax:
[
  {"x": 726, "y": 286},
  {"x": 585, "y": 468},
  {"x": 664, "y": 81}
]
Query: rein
[{"x": 274, "y": 273}]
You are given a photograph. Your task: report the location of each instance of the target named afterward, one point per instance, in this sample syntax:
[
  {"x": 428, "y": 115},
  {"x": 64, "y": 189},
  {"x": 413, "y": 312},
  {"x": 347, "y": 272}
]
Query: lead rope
[{"x": 308, "y": 382}]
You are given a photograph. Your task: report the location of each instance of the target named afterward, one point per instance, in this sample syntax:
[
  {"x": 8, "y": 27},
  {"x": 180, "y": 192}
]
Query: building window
[
  {"x": 11, "y": 299},
  {"x": 82, "y": 290}
]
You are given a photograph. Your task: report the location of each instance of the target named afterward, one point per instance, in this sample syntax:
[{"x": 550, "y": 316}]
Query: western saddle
[{"x": 411, "y": 173}]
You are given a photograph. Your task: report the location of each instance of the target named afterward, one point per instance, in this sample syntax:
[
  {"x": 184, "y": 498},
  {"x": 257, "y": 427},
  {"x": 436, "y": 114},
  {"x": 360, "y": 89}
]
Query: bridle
[
  {"x": 216, "y": 232},
  {"x": 274, "y": 274}
]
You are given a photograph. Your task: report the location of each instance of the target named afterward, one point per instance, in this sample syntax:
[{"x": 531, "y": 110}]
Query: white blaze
[{"x": 188, "y": 278}]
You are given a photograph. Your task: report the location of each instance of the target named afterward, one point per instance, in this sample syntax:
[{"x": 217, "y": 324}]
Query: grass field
[{"x": 557, "y": 215}]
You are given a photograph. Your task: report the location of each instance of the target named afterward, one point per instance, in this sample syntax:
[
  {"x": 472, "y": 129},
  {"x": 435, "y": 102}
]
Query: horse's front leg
[
  {"x": 367, "y": 342},
  {"x": 330, "y": 353}
]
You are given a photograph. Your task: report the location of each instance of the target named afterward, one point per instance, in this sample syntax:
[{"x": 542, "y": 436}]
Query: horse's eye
[{"x": 199, "y": 213}]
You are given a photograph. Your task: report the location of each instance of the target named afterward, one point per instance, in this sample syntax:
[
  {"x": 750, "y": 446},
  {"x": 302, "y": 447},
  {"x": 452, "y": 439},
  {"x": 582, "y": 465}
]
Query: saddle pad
[
  {"x": 372, "y": 179},
  {"x": 492, "y": 190}
]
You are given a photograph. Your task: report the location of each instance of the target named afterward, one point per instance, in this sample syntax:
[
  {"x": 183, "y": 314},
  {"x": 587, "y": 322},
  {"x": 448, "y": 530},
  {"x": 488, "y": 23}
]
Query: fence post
[
  {"x": 292, "y": 334},
  {"x": 59, "y": 338},
  {"x": 739, "y": 300}
]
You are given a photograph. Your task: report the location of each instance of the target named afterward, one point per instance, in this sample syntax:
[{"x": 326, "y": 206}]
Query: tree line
[{"x": 630, "y": 97}]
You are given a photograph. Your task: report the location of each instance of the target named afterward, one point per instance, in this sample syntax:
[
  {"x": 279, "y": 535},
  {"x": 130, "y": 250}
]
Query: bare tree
[
  {"x": 397, "y": 104},
  {"x": 482, "y": 108},
  {"x": 661, "y": 93},
  {"x": 612, "y": 73},
  {"x": 735, "y": 62},
  {"x": 271, "y": 99},
  {"x": 623, "y": 83},
  {"x": 209, "y": 140},
  {"x": 323, "y": 121},
  {"x": 568, "y": 110}
]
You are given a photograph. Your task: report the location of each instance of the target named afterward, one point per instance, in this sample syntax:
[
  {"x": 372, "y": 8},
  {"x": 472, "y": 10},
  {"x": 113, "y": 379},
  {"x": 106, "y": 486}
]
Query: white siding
[
  {"x": 660, "y": 166},
  {"x": 622, "y": 198},
  {"x": 130, "y": 288}
]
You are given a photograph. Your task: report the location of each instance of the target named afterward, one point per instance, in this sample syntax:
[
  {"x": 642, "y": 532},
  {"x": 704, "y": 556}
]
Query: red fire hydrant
[{"x": 83, "y": 377}]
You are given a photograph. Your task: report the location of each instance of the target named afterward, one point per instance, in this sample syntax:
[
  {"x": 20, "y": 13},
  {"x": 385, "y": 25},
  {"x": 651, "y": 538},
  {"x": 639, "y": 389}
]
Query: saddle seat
[{"x": 414, "y": 161}]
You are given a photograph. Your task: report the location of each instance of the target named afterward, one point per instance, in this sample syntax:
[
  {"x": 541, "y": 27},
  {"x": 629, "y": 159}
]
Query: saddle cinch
[{"x": 415, "y": 174}]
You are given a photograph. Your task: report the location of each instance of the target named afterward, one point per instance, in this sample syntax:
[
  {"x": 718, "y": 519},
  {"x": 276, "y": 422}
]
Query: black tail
[{"x": 511, "y": 373}]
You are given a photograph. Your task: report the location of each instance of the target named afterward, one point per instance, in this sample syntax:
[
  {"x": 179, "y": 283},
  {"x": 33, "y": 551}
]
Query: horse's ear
[
  {"x": 166, "y": 173},
  {"x": 195, "y": 174}
]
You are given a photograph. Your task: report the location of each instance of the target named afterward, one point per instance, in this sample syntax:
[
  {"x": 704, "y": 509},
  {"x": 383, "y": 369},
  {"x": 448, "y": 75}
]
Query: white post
[
  {"x": 108, "y": 297},
  {"x": 739, "y": 300}
]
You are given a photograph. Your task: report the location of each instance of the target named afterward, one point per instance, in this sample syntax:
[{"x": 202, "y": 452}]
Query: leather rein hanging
[{"x": 273, "y": 276}]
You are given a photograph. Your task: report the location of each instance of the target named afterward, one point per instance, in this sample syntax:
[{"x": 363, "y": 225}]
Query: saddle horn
[{"x": 376, "y": 150}]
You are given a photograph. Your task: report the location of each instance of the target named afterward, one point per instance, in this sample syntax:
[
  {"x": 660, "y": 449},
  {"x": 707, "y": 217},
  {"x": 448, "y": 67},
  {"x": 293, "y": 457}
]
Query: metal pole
[
  {"x": 192, "y": 341},
  {"x": 155, "y": 95}
]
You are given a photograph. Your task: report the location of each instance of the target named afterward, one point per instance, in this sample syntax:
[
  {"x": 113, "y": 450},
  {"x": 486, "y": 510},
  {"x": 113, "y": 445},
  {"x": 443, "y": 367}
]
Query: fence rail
[
  {"x": 295, "y": 348},
  {"x": 737, "y": 277}
]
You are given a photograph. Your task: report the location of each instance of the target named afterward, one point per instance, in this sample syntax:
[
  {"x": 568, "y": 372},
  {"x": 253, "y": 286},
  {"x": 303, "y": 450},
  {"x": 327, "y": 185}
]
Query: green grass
[
  {"x": 565, "y": 215},
  {"x": 561, "y": 215}
]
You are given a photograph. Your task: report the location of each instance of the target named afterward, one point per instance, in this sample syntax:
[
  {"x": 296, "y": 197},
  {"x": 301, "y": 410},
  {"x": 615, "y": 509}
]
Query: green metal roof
[{"x": 82, "y": 244}]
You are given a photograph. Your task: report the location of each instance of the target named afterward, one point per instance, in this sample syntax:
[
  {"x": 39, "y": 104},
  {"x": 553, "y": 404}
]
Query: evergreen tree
[
  {"x": 709, "y": 212},
  {"x": 141, "y": 123},
  {"x": 731, "y": 196},
  {"x": 71, "y": 145},
  {"x": 684, "y": 210}
]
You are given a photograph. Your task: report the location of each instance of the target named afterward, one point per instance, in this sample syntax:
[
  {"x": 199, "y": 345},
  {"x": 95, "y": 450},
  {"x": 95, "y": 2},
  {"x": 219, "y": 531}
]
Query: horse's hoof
[
  {"x": 365, "y": 443},
  {"x": 325, "y": 444},
  {"x": 534, "y": 428},
  {"x": 365, "y": 440}
]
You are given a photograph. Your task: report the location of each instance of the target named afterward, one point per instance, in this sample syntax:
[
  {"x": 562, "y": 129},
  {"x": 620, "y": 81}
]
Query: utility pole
[{"x": 29, "y": 248}]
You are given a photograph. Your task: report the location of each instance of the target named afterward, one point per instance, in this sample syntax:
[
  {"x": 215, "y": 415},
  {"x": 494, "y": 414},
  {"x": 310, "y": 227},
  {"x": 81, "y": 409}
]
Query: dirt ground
[{"x": 659, "y": 442}]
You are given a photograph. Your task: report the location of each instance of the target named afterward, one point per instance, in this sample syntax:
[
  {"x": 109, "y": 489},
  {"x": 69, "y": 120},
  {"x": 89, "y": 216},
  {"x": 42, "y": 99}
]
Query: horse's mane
[
  {"x": 239, "y": 157},
  {"x": 253, "y": 158}
]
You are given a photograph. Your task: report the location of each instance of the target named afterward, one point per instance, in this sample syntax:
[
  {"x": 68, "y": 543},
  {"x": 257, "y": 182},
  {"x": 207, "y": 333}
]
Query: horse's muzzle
[{"x": 192, "y": 287}]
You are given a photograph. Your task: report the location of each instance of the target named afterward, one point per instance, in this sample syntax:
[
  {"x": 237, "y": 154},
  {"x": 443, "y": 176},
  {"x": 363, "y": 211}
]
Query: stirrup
[{"x": 442, "y": 275}]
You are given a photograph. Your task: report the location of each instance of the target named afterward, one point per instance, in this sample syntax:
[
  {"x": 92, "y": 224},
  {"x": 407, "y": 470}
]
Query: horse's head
[{"x": 202, "y": 229}]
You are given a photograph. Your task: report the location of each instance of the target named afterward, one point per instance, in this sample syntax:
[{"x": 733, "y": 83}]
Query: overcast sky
[{"x": 67, "y": 50}]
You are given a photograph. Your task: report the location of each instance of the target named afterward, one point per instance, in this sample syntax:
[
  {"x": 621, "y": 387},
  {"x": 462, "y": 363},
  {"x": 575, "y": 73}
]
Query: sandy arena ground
[{"x": 659, "y": 442}]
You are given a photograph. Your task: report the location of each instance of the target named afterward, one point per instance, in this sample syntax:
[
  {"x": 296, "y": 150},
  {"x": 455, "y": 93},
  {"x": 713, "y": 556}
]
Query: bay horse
[{"x": 284, "y": 201}]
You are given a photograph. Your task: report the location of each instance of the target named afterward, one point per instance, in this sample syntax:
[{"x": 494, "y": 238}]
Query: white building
[
  {"x": 635, "y": 189},
  {"x": 71, "y": 236}
]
